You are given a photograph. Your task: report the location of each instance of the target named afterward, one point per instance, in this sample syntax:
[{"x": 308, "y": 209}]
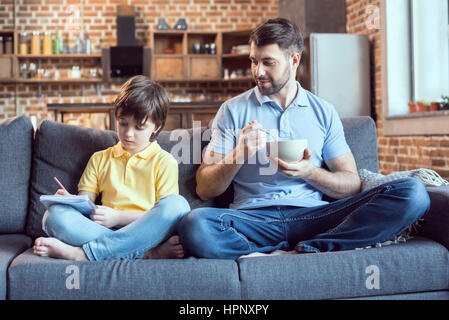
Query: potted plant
[
  {"x": 422, "y": 106},
  {"x": 412, "y": 107},
  {"x": 434, "y": 106},
  {"x": 445, "y": 103}
]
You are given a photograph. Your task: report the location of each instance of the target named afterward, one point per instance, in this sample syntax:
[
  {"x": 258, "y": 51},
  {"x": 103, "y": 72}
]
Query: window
[
  {"x": 415, "y": 47},
  {"x": 417, "y": 52}
]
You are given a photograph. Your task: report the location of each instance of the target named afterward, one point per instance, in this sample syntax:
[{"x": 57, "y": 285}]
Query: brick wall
[
  {"x": 98, "y": 18},
  {"x": 395, "y": 153}
]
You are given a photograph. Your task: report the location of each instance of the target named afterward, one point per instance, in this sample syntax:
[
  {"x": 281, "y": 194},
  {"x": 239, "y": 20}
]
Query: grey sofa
[{"x": 416, "y": 269}]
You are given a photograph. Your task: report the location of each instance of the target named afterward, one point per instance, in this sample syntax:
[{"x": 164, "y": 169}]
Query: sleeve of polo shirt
[
  {"x": 167, "y": 177},
  {"x": 335, "y": 142},
  {"x": 89, "y": 179},
  {"x": 223, "y": 138}
]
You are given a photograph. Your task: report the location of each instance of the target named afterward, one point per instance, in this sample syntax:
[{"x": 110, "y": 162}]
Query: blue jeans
[
  {"x": 129, "y": 242},
  {"x": 373, "y": 216}
]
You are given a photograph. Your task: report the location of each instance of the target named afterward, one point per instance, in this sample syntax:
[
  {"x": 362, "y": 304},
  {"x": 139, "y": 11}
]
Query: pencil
[{"x": 60, "y": 184}]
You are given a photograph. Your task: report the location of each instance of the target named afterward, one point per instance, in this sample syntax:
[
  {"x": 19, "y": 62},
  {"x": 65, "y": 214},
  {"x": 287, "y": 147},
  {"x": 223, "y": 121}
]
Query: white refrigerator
[{"x": 336, "y": 67}]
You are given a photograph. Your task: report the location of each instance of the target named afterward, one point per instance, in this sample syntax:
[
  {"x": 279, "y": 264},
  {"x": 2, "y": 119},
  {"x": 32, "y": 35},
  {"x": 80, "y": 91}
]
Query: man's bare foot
[
  {"x": 170, "y": 249},
  {"x": 54, "y": 248}
]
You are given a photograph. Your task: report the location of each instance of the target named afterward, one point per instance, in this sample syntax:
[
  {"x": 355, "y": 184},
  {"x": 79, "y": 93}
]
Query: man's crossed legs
[{"x": 370, "y": 217}]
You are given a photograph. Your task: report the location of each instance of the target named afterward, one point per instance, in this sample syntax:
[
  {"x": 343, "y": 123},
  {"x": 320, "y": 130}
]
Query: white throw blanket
[
  {"x": 428, "y": 177},
  {"x": 371, "y": 180}
]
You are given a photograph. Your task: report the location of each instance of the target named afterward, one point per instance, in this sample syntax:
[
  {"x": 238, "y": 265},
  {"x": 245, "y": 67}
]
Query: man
[{"x": 282, "y": 208}]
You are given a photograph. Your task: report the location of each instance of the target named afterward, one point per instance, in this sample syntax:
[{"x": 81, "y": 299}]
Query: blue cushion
[
  {"x": 361, "y": 136},
  {"x": 183, "y": 146},
  {"x": 415, "y": 266},
  {"x": 16, "y": 136},
  {"x": 33, "y": 277},
  {"x": 61, "y": 151},
  {"x": 430, "y": 295}
]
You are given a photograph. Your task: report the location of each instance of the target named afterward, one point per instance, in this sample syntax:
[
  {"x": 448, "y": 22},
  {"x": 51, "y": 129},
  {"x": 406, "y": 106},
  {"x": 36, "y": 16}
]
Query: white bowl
[{"x": 289, "y": 150}]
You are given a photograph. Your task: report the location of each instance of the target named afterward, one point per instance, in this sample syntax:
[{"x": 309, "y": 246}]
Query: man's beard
[{"x": 276, "y": 86}]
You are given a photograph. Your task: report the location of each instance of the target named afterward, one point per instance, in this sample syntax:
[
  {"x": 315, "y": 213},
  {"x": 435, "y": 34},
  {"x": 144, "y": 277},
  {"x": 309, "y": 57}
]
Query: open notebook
[{"x": 82, "y": 203}]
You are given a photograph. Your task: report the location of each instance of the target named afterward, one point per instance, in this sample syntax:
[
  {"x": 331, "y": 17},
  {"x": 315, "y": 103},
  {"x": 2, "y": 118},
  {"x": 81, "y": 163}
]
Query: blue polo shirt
[{"x": 258, "y": 184}]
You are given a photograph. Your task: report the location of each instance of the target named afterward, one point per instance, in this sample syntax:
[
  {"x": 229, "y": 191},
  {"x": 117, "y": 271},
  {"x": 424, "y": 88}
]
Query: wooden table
[
  {"x": 180, "y": 115},
  {"x": 63, "y": 108}
]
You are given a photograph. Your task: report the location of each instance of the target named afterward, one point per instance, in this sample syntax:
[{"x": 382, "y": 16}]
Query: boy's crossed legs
[{"x": 76, "y": 237}]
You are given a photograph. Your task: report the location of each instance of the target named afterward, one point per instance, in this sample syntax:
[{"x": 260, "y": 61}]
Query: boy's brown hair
[{"x": 143, "y": 99}]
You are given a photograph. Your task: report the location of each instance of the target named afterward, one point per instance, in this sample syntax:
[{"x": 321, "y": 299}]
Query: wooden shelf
[
  {"x": 168, "y": 55},
  {"x": 68, "y": 80},
  {"x": 245, "y": 78},
  {"x": 235, "y": 55},
  {"x": 239, "y": 79},
  {"x": 47, "y": 81},
  {"x": 60, "y": 56}
]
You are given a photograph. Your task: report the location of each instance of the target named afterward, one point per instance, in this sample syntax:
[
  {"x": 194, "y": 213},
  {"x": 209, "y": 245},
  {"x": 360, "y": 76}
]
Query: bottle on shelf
[
  {"x": 1, "y": 45},
  {"x": 35, "y": 43},
  {"x": 23, "y": 46},
  {"x": 8, "y": 45},
  {"x": 56, "y": 48},
  {"x": 87, "y": 44},
  {"x": 79, "y": 43},
  {"x": 47, "y": 43}
]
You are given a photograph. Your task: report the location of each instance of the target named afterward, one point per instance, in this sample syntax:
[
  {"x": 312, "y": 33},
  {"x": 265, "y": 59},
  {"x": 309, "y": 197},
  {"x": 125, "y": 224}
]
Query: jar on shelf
[
  {"x": 23, "y": 45},
  {"x": 35, "y": 43},
  {"x": 76, "y": 72},
  {"x": 24, "y": 71},
  {"x": 8, "y": 45},
  {"x": 32, "y": 70},
  {"x": 47, "y": 43}
]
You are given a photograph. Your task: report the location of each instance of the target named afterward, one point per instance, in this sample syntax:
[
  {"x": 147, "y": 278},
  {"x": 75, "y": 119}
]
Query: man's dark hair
[
  {"x": 143, "y": 99},
  {"x": 281, "y": 31}
]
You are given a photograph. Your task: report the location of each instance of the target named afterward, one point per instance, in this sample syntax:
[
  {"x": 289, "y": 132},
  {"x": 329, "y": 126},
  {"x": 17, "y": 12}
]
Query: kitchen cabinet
[
  {"x": 204, "y": 68},
  {"x": 8, "y": 68},
  {"x": 169, "y": 68},
  {"x": 200, "y": 55}
]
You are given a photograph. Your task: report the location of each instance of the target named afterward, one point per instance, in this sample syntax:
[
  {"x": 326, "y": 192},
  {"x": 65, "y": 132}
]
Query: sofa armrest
[{"x": 435, "y": 223}]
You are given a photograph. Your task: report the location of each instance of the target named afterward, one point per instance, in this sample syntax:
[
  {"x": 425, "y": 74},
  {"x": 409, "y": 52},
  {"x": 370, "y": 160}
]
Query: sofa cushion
[
  {"x": 361, "y": 136},
  {"x": 429, "y": 295},
  {"x": 16, "y": 136},
  {"x": 61, "y": 151},
  {"x": 11, "y": 245},
  {"x": 186, "y": 146},
  {"x": 415, "y": 266},
  {"x": 435, "y": 222},
  {"x": 33, "y": 277}
]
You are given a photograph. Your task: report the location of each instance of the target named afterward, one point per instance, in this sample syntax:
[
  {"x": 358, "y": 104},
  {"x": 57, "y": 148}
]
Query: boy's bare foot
[
  {"x": 170, "y": 249},
  {"x": 54, "y": 248}
]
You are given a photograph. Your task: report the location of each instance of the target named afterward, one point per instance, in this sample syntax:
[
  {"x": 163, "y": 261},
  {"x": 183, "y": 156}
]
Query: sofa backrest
[
  {"x": 61, "y": 151},
  {"x": 16, "y": 148},
  {"x": 361, "y": 136}
]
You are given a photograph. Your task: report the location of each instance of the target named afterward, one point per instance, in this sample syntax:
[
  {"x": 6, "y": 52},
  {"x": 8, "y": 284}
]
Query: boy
[{"x": 139, "y": 186}]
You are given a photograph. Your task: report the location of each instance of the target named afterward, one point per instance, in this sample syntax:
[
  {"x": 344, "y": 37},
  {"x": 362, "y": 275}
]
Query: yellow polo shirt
[{"x": 131, "y": 183}]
